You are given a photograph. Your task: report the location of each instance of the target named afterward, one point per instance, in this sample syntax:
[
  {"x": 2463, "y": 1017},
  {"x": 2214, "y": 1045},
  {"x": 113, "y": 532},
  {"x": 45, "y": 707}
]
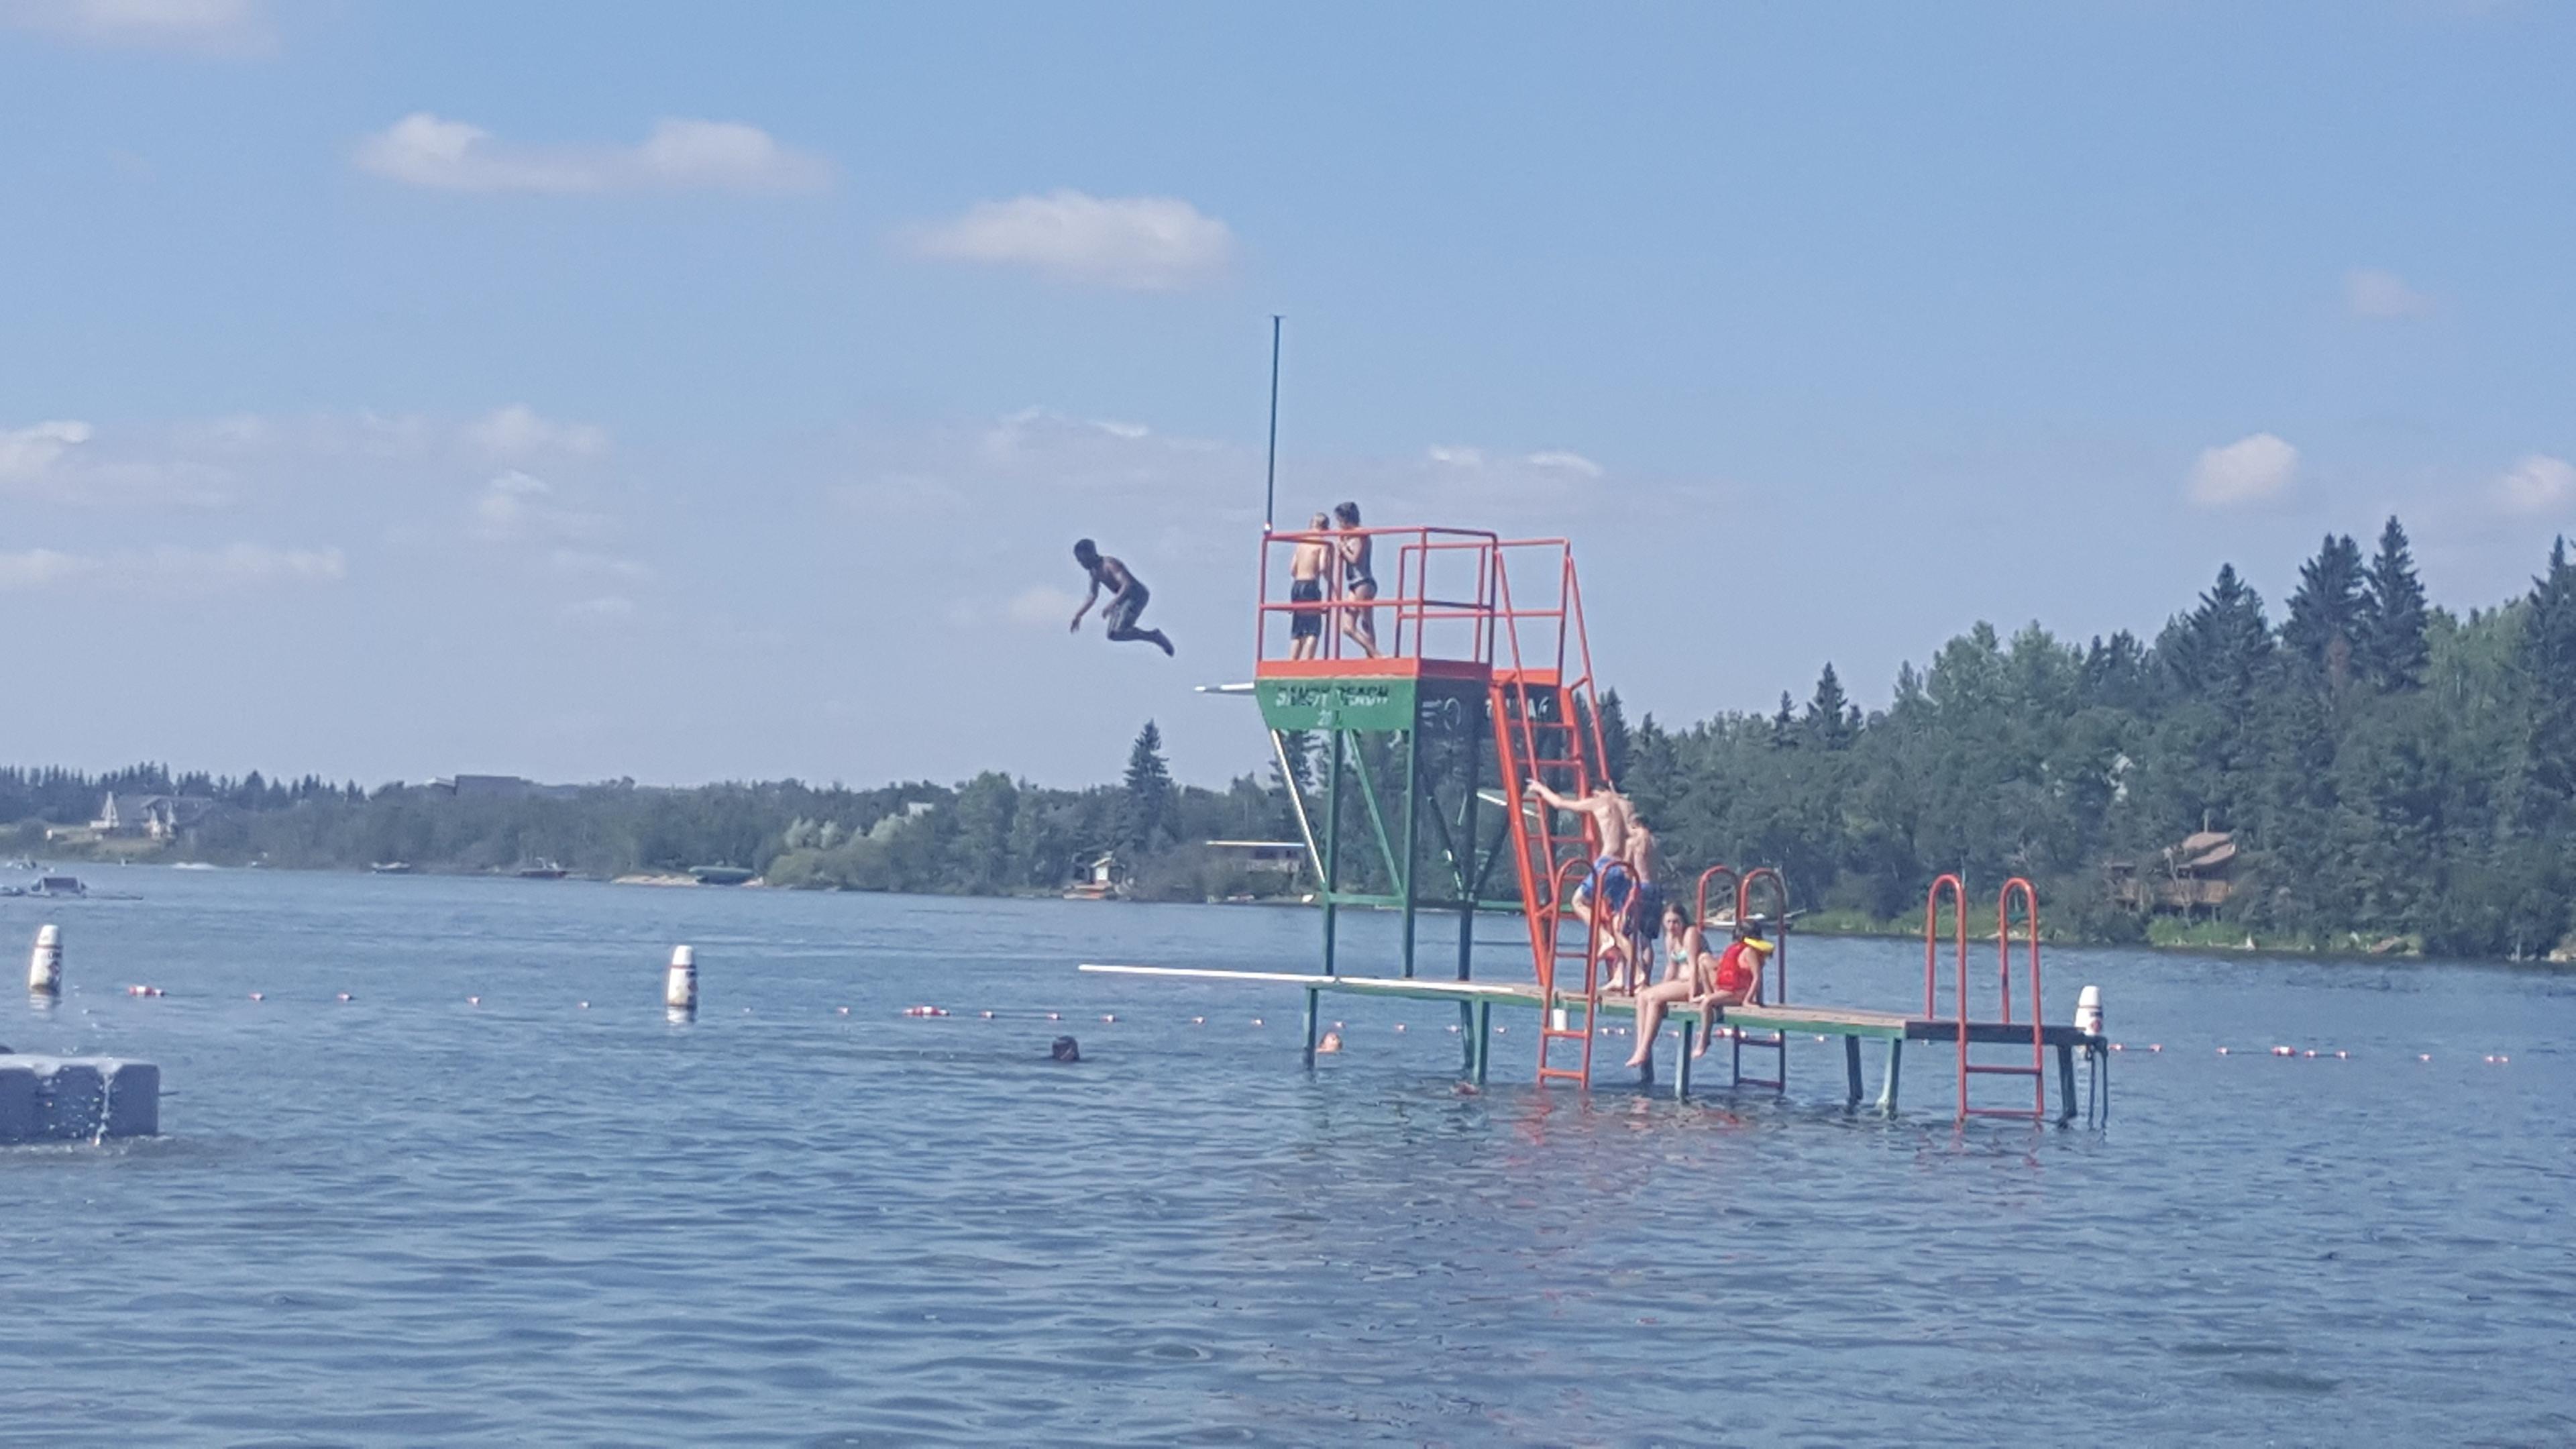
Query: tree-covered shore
[
  {"x": 2391, "y": 771},
  {"x": 2394, "y": 774}
]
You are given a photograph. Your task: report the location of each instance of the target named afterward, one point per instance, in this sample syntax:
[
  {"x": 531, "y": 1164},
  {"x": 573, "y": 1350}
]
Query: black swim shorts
[{"x": 1306, "y": 623}]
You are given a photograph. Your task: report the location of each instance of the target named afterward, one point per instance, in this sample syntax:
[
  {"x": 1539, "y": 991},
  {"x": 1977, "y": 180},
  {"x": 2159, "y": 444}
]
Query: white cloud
[
  {"x": 2537, "y": 484},
  {"x": 679, "y": 155},
  {"x": 205, "y": 27},
  {"x": 55, "y": 461},
  {"x": 517, "y": 507},
  {"x": 518, "y": 432},
  {"x": 1140, "y": 243},
  {"x": 173, "y": 569},
  {"x": 2248, "y": 470},
  {"x": 1456, "y": 457},
  {"x": 606, "y": 609},
  {"x": 1564, "y": 462},
  {"x": 1043, "y": 605},
  {"x": 28, "y": 454},
  {"x": 38, "y": 568},
  {"x": 577, "y": 563},
  {"x": 2371, "y": 292}
]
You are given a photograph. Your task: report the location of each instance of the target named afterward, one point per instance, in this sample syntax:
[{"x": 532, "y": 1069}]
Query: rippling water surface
[{"x": 407, "y": 1219}]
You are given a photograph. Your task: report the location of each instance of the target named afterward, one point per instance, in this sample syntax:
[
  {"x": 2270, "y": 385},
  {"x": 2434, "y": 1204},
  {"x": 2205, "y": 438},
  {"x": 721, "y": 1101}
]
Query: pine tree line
[{"x": 2386, "y": 767}]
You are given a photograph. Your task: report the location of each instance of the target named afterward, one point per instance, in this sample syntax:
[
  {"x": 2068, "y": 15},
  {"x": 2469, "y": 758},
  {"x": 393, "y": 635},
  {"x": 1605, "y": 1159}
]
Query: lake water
[{"x": 407, "y": 1219}]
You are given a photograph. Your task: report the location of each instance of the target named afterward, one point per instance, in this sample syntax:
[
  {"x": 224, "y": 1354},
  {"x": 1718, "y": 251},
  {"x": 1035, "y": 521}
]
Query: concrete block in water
[
  {"x": 17, "y": 1101},
  {"x": 74, "y": 1098}
]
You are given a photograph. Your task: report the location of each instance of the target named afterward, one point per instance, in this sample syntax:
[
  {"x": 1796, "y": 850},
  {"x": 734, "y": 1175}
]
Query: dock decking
[{"x": 1477, "y": 999}]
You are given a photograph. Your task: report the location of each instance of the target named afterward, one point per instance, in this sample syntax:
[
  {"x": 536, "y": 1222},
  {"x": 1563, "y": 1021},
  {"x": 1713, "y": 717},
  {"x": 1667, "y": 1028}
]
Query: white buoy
[
  {"x": 2088, "y": 1011},
  {"x": 680, "y": 986},
  {"x": 45, "y": 963}
]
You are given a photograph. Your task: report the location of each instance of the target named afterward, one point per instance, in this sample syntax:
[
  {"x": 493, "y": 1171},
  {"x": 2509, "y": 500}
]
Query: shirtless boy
[
  {"x": 1306, "y": 587},
  {"x": 1127, "y": 597}
]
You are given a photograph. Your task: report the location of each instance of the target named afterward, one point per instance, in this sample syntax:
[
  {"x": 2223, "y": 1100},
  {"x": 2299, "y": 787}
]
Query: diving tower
[{"x": 1429, "y": 703}]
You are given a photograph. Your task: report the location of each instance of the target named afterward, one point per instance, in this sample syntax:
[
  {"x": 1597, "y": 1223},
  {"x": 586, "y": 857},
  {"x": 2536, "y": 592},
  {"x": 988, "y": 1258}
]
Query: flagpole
[{"x": 1270, "y": 480}]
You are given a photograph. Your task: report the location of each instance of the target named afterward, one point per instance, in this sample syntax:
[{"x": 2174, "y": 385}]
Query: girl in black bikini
[{"x": 1360, "y": 624}]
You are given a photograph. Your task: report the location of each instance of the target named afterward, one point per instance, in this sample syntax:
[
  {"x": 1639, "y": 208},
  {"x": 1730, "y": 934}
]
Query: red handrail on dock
[{"x": 1958, "y": 892}]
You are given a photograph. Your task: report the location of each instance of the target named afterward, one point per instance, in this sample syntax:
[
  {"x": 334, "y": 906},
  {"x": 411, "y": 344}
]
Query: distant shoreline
[{"x": 2203, "y": 937}]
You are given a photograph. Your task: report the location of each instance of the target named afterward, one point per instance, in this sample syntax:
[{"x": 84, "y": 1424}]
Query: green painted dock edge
[{"x": 1477, "y": 1000}]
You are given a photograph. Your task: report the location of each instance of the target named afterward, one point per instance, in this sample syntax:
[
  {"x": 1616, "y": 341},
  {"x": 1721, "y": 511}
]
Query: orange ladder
[
  {"x": 1557, "y": 997},
  {"x": 2015, "y": 889}
]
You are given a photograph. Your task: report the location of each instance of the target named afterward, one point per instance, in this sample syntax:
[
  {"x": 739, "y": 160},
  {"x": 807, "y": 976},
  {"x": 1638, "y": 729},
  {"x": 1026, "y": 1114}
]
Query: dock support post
[
  {"x": 1484, "y": 1029},
  {"x": 1851, "y": 1068},
  {"x": 1412, "y": 830},
  {"x": 1471, "y": 1019},
  {"x": 2065, "y": 1082},
  {"x": 1682, "y": 1064},
  {"x": 1646, "y": 1071},
  {"x": 1332, "y": 844},
  {"x": 1895, "y": 1062},
  {"x": 1311, "y": 994}
]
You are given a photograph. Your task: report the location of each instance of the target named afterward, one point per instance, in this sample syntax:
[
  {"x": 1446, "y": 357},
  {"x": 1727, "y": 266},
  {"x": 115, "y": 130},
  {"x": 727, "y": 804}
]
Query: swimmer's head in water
[
  {"x": 1086, "y": 552},
  {"x": 1066, "y": 1049},
  {"x": 1348, "y": 513}
]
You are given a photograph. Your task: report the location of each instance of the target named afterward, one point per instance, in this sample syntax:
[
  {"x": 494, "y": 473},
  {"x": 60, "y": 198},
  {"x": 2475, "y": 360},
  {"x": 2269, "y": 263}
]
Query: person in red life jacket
[{"x": 1735, "y": 977}]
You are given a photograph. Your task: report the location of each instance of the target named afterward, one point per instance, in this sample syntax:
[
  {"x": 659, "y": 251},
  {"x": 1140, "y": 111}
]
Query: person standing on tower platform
[
  {"x": 1306, "y": 589},
  {"x": 1359, "y": 580}
]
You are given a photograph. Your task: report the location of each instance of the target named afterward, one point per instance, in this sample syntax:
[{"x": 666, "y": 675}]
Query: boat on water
[
  {"x": 542, "y": 870},
  {"x": 720, "y": 875},
  {"x": 194, "y": 865},
  {"x": 58, "y": 885},
  {"x": 390, "y": 867}
]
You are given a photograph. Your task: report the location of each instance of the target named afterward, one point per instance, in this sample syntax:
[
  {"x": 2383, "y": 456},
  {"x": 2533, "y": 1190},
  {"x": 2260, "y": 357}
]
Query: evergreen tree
[
  {"x": 1614, "y": 737},
  {"x": 2547, "y": 660},
  {"x": 2114, "y": 673},
  {"x": 2392, "y": 651},
  {"x": 1298, "y": 781},
  {"x": 1145, "y": 806},
  {"x": 1831, "y": 719},
  {"x": 2326, "y": 614},
  {"x": 2222, "y": 650},
  {"x": 1784, "y": 725}
]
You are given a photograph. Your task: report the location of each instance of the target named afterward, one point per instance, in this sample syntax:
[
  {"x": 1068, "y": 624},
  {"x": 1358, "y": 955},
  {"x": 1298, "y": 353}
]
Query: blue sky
[{"x": 713, "y": 392}]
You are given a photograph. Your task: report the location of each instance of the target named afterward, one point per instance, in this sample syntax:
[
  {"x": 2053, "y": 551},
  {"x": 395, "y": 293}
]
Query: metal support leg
[
  {"x": 1682, "y": 1063},
  {"x": 1895, "y": 1062},
  {"x": 1646, "y": 1068},
  {"x": 1311, "y": 994},
  {"x": 1484, "y": 1030},
  {"x": 2065, "y": 1082},
  {"x": 1851, "y": 1066}
]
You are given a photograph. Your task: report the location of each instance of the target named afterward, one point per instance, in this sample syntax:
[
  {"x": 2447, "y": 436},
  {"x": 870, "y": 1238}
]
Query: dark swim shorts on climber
[{"x": 1306, "y": 623}]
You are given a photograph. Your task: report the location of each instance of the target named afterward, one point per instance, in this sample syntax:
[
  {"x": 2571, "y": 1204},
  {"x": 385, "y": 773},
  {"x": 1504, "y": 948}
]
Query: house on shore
[
  {"x": 500, "y": 787},
  {"x": 2197, "y": 874},
  {"x": 150, "y": 817}
]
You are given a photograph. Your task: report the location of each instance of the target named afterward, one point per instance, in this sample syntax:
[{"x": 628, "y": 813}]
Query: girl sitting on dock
[{"x": 1696, "y": 978}]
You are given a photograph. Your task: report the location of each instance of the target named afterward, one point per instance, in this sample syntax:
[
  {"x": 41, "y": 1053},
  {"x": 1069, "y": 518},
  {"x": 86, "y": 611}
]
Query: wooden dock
[{"x": 1772, "y": 1025}]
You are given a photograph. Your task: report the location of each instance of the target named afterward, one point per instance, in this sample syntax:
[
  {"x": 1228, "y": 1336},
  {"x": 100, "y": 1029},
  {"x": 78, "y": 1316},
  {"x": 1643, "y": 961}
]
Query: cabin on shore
[{"x": 2196, "y": 874}]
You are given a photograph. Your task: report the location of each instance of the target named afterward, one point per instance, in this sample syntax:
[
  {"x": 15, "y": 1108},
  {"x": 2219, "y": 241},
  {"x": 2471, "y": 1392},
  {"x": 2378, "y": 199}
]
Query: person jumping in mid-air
[{"x": 1127, "y": 597}]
